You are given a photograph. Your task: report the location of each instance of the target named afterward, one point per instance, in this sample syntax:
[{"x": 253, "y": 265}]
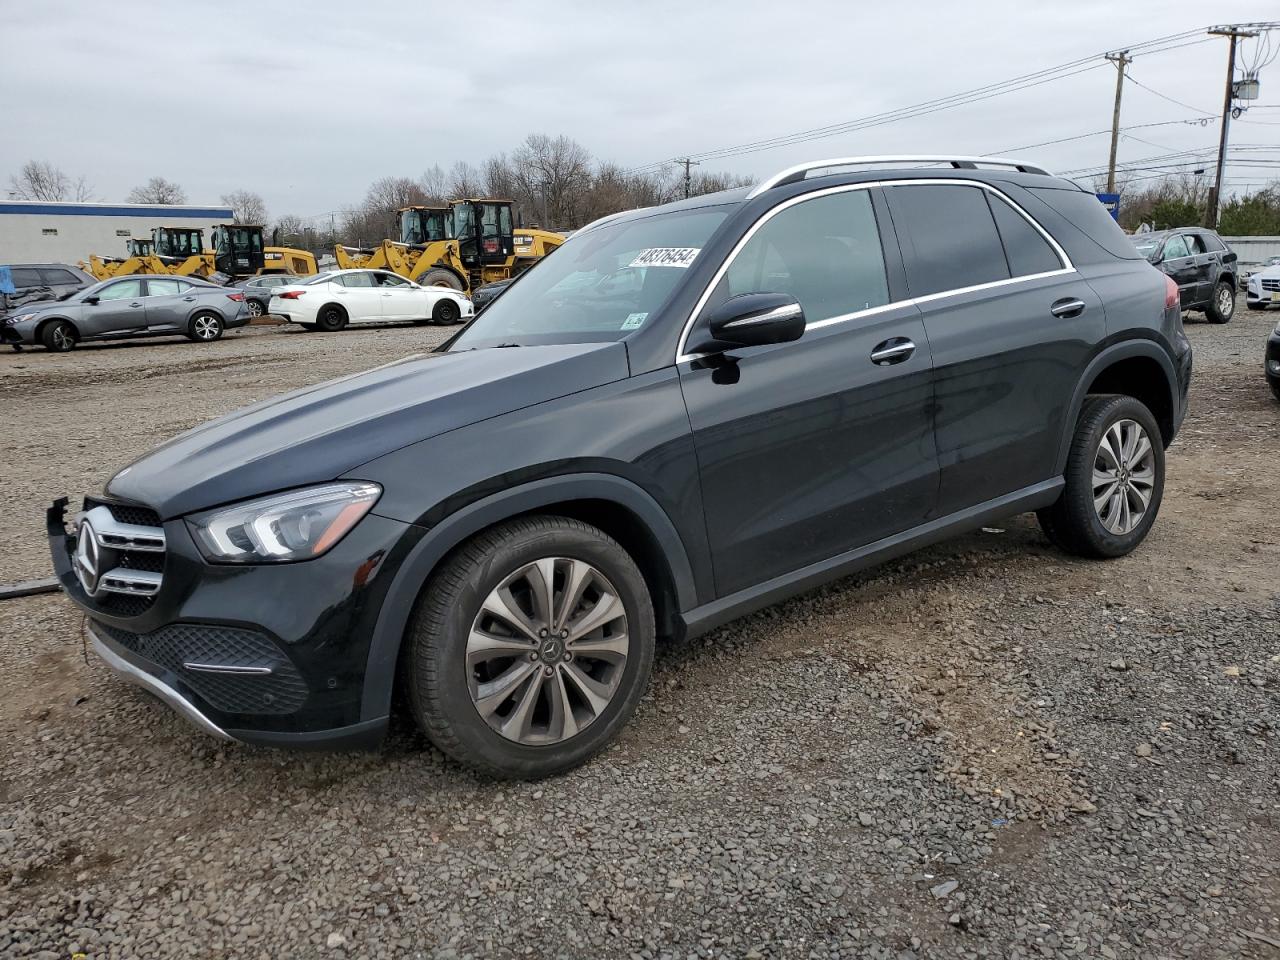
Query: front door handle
[
  {"x": 893, "y": 350},
  {"x": 135, "y": 304},
  {"x": 189, "y": 299},
  {"x": 1070, "y": 307}
]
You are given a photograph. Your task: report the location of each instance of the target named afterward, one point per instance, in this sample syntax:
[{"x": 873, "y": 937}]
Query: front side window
[
  {"x": 954, "y": 235},
  {"x": 58, "y": 276},
  {"x": 600, "y": 285},
  {"x": 124, "y": 290},
  {"x": 1026, "y": 249},
  {"x": 1175, "y": 248},
  {"x": 825, "y": 252},
  {"x": 26, "y": 277},
  {"x": 390, "y": 280}
]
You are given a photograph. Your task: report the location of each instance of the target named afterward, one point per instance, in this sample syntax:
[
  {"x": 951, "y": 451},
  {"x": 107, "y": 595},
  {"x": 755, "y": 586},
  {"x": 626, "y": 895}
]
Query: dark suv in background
[
  {"x": 1200, "y": 263},
  {"x": 687, "y": 413}
]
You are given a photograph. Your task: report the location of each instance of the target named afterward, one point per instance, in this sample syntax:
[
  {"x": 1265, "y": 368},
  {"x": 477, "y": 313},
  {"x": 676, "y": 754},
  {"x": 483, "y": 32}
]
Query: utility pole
[
  {"x": 1215, "y": 194},
  {"x": 1120, "y": 59},
  {"x": 688, "y": 177}
]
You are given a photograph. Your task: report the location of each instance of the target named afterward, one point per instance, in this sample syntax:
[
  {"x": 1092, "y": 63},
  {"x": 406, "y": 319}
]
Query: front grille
[
  {"x": 1271, "y": 284},
  {"x": 226, "y": 649},
  {"x": 128, "y": 604}
]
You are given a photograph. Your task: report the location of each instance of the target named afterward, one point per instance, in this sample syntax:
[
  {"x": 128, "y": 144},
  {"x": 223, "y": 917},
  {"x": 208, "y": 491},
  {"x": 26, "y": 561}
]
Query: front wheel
[
  {"x": 59, "y": 337},
  {"x": 1222, "y": 305},
  {"x": 446, "y": 311},
  {"x": 530, "y": 649},
  {"x": 205, "y": 327},
  {"x": 1114, "y": 480}
]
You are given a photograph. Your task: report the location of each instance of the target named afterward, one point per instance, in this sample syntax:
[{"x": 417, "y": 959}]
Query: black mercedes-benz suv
[{"x": 688, "y": 413}]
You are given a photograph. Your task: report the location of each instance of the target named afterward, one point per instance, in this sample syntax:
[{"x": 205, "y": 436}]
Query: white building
[{"x": 32, "y": 231}]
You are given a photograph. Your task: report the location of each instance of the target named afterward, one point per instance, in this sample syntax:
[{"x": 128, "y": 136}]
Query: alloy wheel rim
[
  {"x": 255, "y": 309},
  {"x": 546, "y": 653},
  {"x": 1124, "y": 477},
  {"x": 1226, "y": 301},
  {"x": 206, "y": 328},
  {"x": 62, "y": 339}
]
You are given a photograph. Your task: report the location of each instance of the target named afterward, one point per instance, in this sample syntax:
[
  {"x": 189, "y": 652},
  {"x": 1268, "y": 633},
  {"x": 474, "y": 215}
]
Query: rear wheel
[
  {"x": 59, "y": 336},
  {"x": 205, "y": 327},
  {"x": 331, "y": 318},
  {"x": 439, "y": 277},
  {"x": 1222, "y": 305},
  {"x": 530, "y": 649},
  {"x": 1114, "y": 480},
  {"x": 446, "y": 311},
  {"x": 256, "y": 308}
]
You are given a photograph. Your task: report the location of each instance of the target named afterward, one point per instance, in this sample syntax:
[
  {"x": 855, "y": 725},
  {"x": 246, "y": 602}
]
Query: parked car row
[
  {"x": 1200, "y": 263},
  {"x": 144, "y": 305}
]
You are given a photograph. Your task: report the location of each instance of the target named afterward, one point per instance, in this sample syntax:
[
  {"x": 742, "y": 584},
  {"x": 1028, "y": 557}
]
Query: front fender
[{"x": 389, "y": 631}]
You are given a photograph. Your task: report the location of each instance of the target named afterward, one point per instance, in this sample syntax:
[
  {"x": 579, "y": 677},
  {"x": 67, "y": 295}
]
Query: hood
[{"x": 321, "y": 432}]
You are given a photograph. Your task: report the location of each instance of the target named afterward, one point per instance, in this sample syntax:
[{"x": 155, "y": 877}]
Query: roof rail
[{"x": 797, "y": 173}]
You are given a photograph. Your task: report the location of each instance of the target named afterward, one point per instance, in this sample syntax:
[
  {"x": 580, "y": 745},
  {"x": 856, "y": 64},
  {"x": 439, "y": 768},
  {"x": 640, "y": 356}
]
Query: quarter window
[
  {"x": 825, "y": 252},
  {"x": 954, "y": 235},
  {"x": 1026, "y": 249}
]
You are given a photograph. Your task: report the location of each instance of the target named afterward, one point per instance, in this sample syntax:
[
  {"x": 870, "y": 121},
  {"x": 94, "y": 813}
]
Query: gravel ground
[{"x": 984, "y": 750}]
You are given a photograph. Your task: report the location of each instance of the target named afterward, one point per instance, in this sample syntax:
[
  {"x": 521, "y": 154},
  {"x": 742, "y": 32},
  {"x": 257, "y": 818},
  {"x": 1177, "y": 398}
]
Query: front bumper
[
  {"x": 19, "y": 333},
  {"x": 270, "y": 654},
  {"x": 1271, "y": 362}
]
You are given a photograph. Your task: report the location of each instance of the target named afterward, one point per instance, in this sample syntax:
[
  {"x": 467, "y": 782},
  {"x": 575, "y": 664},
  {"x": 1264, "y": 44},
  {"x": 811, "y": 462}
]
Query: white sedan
[{"x": 330, "y": 301}]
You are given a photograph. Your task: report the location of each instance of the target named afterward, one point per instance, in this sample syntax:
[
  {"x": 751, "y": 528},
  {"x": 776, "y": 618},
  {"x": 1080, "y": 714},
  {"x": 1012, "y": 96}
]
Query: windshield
[
  {"x": 1149, "y": 247},
  {"x": 601, "y": 285}
]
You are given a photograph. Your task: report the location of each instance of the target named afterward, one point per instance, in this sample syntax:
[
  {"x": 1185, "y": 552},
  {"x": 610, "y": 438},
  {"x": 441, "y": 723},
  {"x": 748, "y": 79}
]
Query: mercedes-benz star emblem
[{"x": 86, "y": 559}]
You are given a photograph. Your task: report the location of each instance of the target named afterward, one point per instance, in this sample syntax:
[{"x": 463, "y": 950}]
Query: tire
[
  {"x": 1075, "y": 523},
  {"x": 443, "y": 690},
  {"x": 59, "y": 337},
  {"x": 1275, "y": 388},
  {"x": 256, "y": 309},
  {"x": 1222, "y": 305},
  {"x": 331, "y": 318},
  {"x": 446, "y": 311},
  {"x": 440, "y": 277},
  {"x": 205, "y": 327}
]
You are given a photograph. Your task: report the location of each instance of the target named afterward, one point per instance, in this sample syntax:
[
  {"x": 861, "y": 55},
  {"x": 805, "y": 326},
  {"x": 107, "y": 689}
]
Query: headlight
[
  {"x": 20, "y": 318},
  {"x": 299, "y": 525}
]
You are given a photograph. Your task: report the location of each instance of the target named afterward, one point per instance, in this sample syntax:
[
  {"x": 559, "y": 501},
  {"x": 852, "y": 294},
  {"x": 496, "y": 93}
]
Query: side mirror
[
  {"x": 754, "y": 319},
  {"x": 91, "y": 300}
]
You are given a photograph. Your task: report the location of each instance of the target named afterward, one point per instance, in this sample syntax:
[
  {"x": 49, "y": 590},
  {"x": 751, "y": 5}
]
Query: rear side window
[
  {"x": 1086, "y": 213},
  {"x": 59, "y": 276},
  {"x": 1026, "y": 249},
  {"x": 954, "y": 236},
  {"x": 1195, "y": 244},
  {"x": 825, "y": 252},
  {"x": 26, "y": 277},
  {"x": 163, "y": 288}
]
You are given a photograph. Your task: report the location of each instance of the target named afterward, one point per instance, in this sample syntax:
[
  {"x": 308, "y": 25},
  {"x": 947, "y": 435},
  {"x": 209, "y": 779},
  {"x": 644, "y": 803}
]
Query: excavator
[
  {"x": 463, "y": 246},
  {"x": 238, "y": 251}
]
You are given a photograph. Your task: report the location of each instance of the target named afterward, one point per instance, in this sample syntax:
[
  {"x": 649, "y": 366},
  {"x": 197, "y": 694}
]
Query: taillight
[
  {"x": 1170, "y": 293},
  {"x": 235, "y": 296},
  {"x": 290, "y": 294}
]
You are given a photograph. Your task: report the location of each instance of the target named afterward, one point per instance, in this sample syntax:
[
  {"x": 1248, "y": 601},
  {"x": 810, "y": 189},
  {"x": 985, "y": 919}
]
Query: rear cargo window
[{"x": 1085, "y": 212}]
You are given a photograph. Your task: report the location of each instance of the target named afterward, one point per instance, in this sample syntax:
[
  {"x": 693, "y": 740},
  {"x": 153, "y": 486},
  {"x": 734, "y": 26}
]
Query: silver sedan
[{"x": 134, "y": 306}]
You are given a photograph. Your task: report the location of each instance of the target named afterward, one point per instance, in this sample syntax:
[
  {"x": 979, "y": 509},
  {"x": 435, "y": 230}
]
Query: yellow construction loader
[
  {"x": 462, "y": 246},
  {"x": 238, "y": 251}
]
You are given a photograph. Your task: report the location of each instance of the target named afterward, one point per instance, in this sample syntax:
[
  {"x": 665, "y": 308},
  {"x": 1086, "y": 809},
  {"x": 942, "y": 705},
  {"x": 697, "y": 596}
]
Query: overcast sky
[{"x": 307, "y": 103}]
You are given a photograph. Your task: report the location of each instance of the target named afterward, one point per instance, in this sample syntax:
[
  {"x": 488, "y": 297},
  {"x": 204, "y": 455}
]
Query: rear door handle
[
  {"x": 1070, "y": 307},
  {"x": 893, "y": 350}
]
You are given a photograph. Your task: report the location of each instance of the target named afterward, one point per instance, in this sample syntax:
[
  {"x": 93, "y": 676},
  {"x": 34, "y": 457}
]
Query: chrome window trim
[{"x": 1067, "y": 268}]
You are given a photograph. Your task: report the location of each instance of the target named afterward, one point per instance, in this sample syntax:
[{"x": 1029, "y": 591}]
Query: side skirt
[{"x": 707, "y": 617}]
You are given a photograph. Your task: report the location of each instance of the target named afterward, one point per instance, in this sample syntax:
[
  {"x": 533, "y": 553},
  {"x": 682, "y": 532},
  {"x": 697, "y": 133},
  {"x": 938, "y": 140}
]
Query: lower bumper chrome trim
[
  {"x": 162, "y": 690},
  {"x": 224, "y": 668}
]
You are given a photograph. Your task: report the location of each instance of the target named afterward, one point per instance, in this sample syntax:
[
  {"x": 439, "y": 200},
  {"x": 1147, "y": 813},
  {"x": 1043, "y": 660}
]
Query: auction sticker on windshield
[
  {"x": 665, "y": 257},
  {"x": 634, "y": 320}
]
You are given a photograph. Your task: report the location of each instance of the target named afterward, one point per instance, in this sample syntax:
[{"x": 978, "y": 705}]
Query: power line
[
  {"x": 1207, "y": 113},
  {"x": 977, "y": 94}
]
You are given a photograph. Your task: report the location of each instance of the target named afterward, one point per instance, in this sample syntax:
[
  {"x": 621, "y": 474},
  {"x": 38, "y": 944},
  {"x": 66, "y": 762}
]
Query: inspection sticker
[
  {"x": 665, "y": 257},
  {"x": 633, "y": 320}
]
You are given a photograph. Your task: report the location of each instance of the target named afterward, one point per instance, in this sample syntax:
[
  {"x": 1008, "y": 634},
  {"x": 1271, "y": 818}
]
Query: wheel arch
[
  {"x": 44, "y": 325},
  {"x": 617, "y": 506},
  {"x": 1138, "y": 368}
]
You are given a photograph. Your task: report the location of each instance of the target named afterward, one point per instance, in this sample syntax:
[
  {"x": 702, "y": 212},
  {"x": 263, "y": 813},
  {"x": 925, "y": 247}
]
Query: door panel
[
  {"x": 1178, "y": 263},
  {"x": 809, "y": 449},
  {"x": 167, "y": 303},
  {"x": 120, "y": 309},
  {"x": 361, "y": 297}
]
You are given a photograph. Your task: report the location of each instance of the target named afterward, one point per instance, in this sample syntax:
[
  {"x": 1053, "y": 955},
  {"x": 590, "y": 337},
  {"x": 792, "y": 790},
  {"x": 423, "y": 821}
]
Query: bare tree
[
  {"x": 291, "y": 230},
  {"x": 551, "y": 174},
  {"x": 158, "y": 190},
  {"x": 435, "y": 184},
  {"x": 391, "y": 193},
  {"x": 247, "y": 206},
  {"x": 41, "y": 180}
]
